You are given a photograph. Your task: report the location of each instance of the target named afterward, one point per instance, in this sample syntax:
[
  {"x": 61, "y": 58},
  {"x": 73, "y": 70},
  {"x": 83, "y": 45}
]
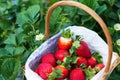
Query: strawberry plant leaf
[
  {"x": 10, "y": 68},
  {"x": 21, "y": 19},
  {"x": 33, "y": 13},
  {"x": 19, "y": 30},
  {"x": 1, "y": 77},
  {"x": 30, "y": 16},
  {"x": 91, "y": 3},
  {"x": 11, "y": 40},
  {"x": 10, "y": 49},
  {"x": 85, "y": 18},
  {"x": 4, "y": 53},
  {"x": 55, "y": 15},
  {"x": 70, "y": 11},
  {"x": 118, "y": 13},
  {"x": 55, "y": 25},
  {"x": 118, "y": 4},
  {"x": 6, "y": 25},
  {"x": 21, "y": 38},
  {"x": 19, "y": 50},
  {"x": 34, "y": 2},
  {"x": 101, "y": 9},
  {"x": 25, "y": 56}
]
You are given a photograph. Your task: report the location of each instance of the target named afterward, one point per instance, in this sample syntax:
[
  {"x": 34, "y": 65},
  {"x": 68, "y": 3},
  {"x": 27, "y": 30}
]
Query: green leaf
[
  {"x": 11, "y": 40},
  {"x": 76, "y": 44},
  {"x": 111, "y": 2},
  {"x": 3, "y": 1},
  {"x": 1, "y": 77},
  {"x": 10, "y": 48},
  {"x": 55, "y": 15},
  {"x": 3, "y": 8},
  {"x": 72, "y": 50},
  {"x": 70, "y": 11},
  {"x": 19, "y": 50},
  {"x": 19, "y": 30},
  {"x": 67, "y": 34},
  {"x": 113, "y": 15},
  {"x": 4, "y": 53},
  {"x": 35, "y": 1},
  {"x": 85, "y": 18},
  {"x": 30, "y": 16},
  {"x": 6, "y": 25},
  {"x": 118, "y": 4},
  {"x": 98, "y": 57},
  {"x": 33, "y": 13},
  {"x": 89, "y": 72},
  {"x": 111, "y": 30},
  {"x": 114, "y": 75},
  {"x": 21, "y": 19},
  {"x": 101, "y": 9},
  {"x": 21, "y": 38},
  {"x": 10, "y": 68},
  {"x": 118, "y": 13},
  {"x": 25, "y": 56},
  {"x": 91, "y": 3}
]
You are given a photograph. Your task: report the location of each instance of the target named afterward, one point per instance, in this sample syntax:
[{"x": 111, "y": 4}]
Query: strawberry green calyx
[
  {"x": 79, "y": 37},
  {"x": 89, "y": 72},
  {"x": 67, "y": 33},
  {"x": 75, "y": 45},
  {"x": 98, "y": 57},
  {"x": 55, "y": 74},
  {"x": 67, "y": 62}
]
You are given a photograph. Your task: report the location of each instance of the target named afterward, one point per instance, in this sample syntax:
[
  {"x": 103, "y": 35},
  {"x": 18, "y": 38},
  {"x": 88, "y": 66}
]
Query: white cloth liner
[{"x": 94, "y": 41}]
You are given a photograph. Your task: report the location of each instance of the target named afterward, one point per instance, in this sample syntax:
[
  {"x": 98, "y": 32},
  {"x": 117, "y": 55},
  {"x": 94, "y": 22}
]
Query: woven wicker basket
[{"x": 109, "y": 66}]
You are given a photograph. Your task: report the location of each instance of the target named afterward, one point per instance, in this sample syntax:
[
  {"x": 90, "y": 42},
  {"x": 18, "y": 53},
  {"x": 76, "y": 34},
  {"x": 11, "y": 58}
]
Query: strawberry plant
[{"x": 22, "y": 25}]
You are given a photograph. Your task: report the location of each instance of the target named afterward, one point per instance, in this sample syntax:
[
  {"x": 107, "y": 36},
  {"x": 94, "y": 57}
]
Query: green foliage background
[{"x": 21, "y": 19}]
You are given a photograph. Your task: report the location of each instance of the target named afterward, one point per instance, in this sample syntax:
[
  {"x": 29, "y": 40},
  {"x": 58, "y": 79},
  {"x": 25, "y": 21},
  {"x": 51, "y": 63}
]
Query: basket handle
[{"x": 93, "y": 14}]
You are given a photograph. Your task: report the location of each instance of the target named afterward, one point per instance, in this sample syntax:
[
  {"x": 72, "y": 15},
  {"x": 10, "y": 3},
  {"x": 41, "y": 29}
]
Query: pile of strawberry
[{"x": 72, "y": 60}]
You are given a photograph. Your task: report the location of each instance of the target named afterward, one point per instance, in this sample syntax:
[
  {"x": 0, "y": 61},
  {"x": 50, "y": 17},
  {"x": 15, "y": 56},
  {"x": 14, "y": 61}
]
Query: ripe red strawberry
[
  {"x": 44, "y": 69},
  {"x": 65, "y": 41},
  {"x": 82, "y": 61},
  {"x": 61, "y": 54},
  {"x": 49, "y": 58},
  {"x": 98, "y": 67},
  {"x": 64, "y": 71},
  {"x": 83, "y": 50},
  {"x": 92, "y": 61},
  {"x": 77, "y": 74}
]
